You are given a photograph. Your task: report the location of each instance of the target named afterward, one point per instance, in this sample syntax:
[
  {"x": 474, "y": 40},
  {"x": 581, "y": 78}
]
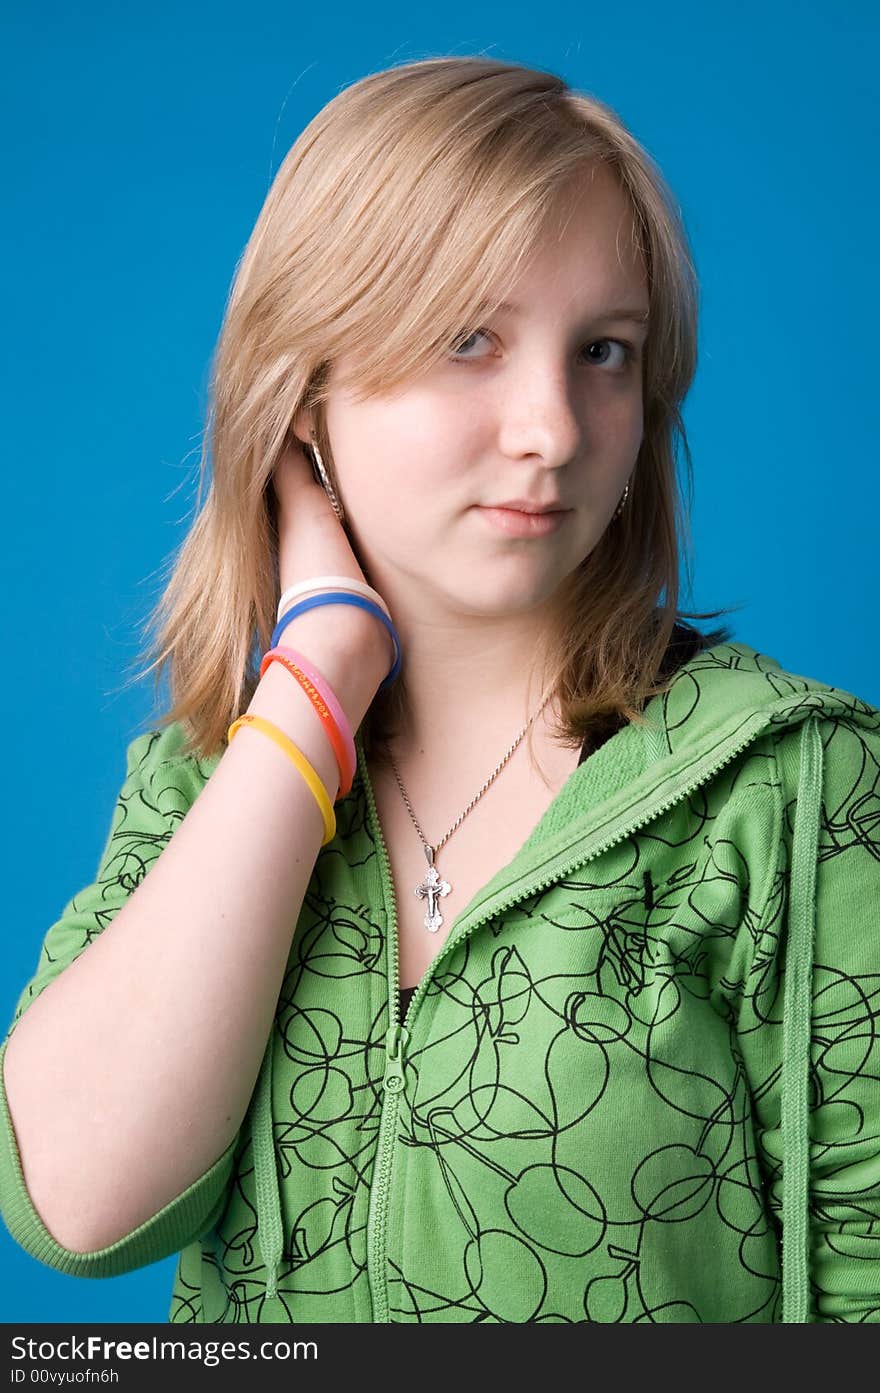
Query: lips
[
  {"x": 520, "y": 505},
  {"x": 516, "y": 523}
]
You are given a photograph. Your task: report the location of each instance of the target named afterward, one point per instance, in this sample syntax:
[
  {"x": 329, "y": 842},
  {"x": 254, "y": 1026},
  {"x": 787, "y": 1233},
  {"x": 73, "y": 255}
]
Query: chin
[{"x": 491, "y": 600}]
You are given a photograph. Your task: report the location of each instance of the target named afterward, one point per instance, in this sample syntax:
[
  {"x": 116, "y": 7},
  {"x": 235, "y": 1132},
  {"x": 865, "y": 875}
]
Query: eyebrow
[{"x": 634, "y": 313}]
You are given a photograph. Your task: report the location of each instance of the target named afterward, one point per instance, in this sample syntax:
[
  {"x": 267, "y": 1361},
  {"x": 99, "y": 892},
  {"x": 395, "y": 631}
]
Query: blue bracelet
[{"x": 345, "y": 597}]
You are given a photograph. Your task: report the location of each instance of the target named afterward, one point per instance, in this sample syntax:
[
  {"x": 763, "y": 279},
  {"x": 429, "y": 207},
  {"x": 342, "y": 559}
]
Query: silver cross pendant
[{"x": 431, "y": 888}]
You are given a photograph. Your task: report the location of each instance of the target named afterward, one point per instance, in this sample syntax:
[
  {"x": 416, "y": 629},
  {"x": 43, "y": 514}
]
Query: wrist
[{"x": 354, "y": 654}]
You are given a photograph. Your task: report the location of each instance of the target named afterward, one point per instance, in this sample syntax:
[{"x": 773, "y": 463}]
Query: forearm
[{"x": 132, "y": 1071}]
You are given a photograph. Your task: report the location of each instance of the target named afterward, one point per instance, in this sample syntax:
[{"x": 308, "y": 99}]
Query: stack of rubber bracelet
[{"x": 334, "y": 590}]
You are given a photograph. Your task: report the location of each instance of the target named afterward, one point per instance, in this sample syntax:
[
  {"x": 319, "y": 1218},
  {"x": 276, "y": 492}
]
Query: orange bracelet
[{"x": 327, "y": 707}]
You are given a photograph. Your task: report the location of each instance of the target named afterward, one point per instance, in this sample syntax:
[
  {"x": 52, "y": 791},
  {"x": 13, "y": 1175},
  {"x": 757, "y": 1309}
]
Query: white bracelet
[{"x": 330, "y": 583}]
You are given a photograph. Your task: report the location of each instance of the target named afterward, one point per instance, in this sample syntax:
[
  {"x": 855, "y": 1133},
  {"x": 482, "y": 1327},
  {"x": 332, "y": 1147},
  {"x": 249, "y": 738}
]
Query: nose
[{"x": 538, "y": 417}]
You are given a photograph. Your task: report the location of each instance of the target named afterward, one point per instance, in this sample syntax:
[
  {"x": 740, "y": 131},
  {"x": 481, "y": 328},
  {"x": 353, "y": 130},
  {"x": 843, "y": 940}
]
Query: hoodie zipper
[{"x": 397, "y": 1036}]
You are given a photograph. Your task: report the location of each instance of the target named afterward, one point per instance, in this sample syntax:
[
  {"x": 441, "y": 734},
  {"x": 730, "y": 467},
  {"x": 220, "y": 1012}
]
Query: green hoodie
[{"x": 637, "y": 1084}]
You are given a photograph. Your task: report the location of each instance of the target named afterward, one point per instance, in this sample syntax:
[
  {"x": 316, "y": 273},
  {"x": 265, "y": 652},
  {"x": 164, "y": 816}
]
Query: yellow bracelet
[{"x": 298, "y": 758}]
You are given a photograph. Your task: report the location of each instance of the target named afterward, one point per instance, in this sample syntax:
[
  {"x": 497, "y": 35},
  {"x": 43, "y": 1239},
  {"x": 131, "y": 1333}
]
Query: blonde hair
[{"x": 405, "y": 198}]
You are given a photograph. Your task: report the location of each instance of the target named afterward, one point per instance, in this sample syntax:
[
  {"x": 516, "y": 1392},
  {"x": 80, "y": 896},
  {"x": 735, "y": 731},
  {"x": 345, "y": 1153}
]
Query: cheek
[
  {"x": 625, "y": 429},
  {"x": 388, "y": 452}
]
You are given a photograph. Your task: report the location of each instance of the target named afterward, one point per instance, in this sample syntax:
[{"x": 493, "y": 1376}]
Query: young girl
[{"x": 437, "y": 730}]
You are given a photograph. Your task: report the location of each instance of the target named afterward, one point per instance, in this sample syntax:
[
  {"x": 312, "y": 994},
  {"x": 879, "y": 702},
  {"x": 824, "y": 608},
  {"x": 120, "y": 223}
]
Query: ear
[{"x": 302, "y": 425}]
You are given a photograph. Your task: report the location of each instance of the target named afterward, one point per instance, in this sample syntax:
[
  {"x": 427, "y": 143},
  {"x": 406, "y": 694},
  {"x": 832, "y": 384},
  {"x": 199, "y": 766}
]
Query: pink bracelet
[{"x": 332, "y": 716}]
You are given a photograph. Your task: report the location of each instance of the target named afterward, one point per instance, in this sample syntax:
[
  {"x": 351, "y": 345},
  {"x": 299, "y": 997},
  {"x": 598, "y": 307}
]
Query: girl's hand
[
  {"x": 313, "y": 542},
  {"x": 311, "y": 539}
]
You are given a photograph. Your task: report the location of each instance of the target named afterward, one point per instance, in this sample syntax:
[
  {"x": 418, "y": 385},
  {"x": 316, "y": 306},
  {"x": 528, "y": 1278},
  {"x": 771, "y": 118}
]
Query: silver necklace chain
[{"x": 433, "y": 887}]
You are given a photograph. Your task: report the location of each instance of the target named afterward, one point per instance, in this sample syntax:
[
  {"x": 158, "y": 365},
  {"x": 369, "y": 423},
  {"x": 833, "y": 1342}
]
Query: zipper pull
[{"x": 395, "y": 1044}]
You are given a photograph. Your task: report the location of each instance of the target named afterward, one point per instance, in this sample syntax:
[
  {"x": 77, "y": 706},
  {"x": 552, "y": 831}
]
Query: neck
[
  {"x": 461, "y": 688},
  {"x": 469, "y": 683}
]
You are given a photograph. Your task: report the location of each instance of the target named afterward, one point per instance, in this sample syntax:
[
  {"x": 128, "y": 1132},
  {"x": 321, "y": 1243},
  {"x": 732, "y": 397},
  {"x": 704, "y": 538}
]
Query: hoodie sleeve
[
  {"x": 809, "y": 1024},
  {"x": 156, "y": 794}
]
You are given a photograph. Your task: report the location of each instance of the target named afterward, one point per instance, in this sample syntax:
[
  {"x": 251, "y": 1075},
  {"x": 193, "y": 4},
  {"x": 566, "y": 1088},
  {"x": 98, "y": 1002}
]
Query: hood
[{"x": 721, "y": 691}]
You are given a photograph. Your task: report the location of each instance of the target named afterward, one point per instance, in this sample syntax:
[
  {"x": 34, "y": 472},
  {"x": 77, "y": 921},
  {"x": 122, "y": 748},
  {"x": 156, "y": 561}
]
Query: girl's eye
[
  {"x": 628, "y": 353},
  {"x": 462, "y": 343},
  {"x": 627, "y": 350}
]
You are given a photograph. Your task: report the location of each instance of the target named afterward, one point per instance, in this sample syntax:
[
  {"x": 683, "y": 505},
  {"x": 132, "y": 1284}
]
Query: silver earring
[
  {"x": 622, "y": 502},
  {"x": 325, "y": 479}
]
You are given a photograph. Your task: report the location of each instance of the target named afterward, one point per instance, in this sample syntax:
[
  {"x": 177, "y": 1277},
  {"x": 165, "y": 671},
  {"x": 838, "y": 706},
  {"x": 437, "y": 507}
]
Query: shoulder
[
  {"x": 729, "y": 695},
  {"x": 159, "y": 758}
]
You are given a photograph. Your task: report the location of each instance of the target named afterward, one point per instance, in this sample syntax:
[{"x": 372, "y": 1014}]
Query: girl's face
[{"x": 542, "y": 402}]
